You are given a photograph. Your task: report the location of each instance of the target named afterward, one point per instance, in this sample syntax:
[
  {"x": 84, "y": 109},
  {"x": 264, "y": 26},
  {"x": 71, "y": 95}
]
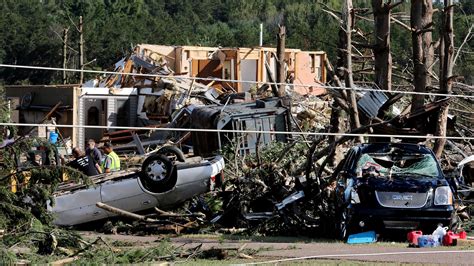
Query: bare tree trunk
[
  {"x": 383, "y": 57},
  {"x": 81, "y": 51},
  {"x": 421, "y": 21},
  {"x": 447, "y": 73},
  {"x": 340, "y": 97},
  {"x": 65, "y": 55},
  {"x": 281, "y": 73},
  {"x": 336, "y": 127},
  {"x": 347, "y": 13},
  {"x": 341, "y": 53}
]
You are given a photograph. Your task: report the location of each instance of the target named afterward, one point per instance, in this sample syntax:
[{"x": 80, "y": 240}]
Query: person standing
[
  {"x": 94, "y": 154},
  {"x": 83, "y": 163},
  {"x": 112, "y": 161}
]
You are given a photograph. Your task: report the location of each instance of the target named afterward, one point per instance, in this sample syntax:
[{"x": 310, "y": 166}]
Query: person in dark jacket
[{"x": 83, "y": 163}]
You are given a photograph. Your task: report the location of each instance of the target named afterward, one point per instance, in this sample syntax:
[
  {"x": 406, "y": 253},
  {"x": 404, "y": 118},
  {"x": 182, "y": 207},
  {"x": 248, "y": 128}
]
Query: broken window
[{"x": 398, "y": 164}]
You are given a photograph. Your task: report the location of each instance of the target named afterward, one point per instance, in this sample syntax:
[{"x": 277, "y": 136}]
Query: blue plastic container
[
  {"x": 427, "y": 241},
  {"x": 362, "y": 238},
  {"x": 53, "y": 137}
]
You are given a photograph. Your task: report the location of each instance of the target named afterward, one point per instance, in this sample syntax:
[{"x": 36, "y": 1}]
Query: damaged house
[{"x": 156, "y": 101}]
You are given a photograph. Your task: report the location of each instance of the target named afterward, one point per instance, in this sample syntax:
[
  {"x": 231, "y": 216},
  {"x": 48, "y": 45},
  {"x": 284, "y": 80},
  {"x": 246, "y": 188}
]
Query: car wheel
[
  {"x": 345, "y": 224},
  {"x": 307, "y": 214},
  {"x": 158, "y": 174},
  {"x": 172, "y": 152}
]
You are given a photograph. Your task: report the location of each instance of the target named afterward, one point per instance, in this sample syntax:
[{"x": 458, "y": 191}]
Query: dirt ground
[{"x": 287, "y": 250}]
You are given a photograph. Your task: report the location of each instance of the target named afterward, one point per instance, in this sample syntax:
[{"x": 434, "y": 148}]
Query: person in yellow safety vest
[{"x": 111, "y": 162}]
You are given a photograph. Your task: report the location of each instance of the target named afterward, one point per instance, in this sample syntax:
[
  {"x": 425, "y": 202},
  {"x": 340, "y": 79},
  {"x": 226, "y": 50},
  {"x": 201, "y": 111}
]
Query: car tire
[
  {"x": 308, "y": 219},
  {"x": 345, "y": 225},
  {"x": 158, "y": 174},
  {"x": 172, "y": 151}
]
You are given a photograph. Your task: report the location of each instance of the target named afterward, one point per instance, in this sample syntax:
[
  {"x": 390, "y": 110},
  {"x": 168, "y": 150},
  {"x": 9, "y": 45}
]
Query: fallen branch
[
  {"x": 90, "y": 245},
  {"x": 329, "y": 150},
  {"x": 124, "y": 213},
  {"x": 468, "y": 35},
  {"x": 162, "y": 213}
]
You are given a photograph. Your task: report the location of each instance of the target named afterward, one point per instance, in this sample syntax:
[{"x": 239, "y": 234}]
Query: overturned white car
[{"x": 159, "y": 182}]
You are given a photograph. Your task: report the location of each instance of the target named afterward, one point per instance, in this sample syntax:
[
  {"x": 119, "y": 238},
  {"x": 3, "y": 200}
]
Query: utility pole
[
  {"x": 65, "y": 55},
  {"x": 81, "y": 51},
  {"x": 281, "y": 75}
]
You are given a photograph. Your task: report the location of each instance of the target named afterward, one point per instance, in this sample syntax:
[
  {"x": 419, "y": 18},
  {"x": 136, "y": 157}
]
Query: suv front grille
[{"x": 405, "y": 200}]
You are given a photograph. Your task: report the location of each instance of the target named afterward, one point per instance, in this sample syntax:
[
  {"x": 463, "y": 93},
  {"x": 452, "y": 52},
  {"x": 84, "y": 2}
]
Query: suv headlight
[{"x": 443, "y": 196}]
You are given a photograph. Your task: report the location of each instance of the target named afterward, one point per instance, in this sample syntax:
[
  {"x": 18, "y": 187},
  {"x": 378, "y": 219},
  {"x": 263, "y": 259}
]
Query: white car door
[{"x": 126, "y": 194}]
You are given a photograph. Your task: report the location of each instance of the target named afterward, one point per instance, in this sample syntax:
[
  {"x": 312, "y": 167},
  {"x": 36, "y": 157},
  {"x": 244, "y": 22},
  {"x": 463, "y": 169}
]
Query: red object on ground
[
  {"x": 448, "y": 239},
  {"x": 413, "y": 237}
]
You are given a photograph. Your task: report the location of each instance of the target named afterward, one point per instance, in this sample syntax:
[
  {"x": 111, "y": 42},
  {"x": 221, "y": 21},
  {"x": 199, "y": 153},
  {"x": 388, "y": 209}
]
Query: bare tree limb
[
  {"x": 392, "y": 6},
  {"x": 333, "y": 15},
  {"x": 466, "y": 39},
  {"x": 401, "y": 24}
]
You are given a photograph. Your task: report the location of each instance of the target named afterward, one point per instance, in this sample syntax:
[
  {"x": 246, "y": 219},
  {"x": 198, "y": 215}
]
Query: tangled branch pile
[{"x": 265, "y": 180}]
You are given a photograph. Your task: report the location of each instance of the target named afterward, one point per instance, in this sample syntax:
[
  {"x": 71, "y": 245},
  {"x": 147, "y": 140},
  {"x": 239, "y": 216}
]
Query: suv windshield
[{"x": 399, "y": 163}]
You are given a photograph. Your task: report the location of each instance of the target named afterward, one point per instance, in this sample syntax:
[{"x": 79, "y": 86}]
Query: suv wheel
[{"x": 345, "y": 224}]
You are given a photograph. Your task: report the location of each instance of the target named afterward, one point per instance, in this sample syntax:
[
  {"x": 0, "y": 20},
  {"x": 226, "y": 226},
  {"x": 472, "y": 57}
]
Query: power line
[
  {"x": 244, "y": 131},
  {"x": 235, "y": 81}
]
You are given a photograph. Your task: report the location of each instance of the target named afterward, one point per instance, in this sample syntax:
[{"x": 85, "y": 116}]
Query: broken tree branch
[
  {"x": 162, "y": 213},
  {"x": 401, "y": 24},
  {"x": 124, "y": 213},
  {"x": 392, "y": 6},
  {"x": 467, "y": 38},
  {"x": 333, "y": 15}
]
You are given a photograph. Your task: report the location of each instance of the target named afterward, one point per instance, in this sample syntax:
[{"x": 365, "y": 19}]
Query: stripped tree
[
  {"x": 348, "y": 14},
  {"x": 421, "y": 17},
  {"x": 446, "y": 72},
  {"x": 381, "y": 48}
]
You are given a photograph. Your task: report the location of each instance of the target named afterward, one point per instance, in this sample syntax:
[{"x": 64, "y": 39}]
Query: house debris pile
[{"x": 167, "y": 96}]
